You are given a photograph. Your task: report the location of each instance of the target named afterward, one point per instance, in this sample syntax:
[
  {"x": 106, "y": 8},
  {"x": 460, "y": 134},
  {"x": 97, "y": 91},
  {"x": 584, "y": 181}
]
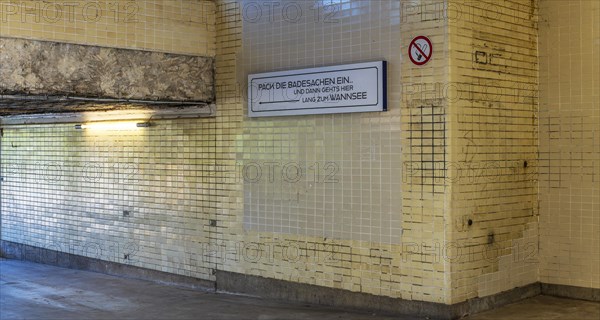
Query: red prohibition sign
[{"x": 420, "y": 50}]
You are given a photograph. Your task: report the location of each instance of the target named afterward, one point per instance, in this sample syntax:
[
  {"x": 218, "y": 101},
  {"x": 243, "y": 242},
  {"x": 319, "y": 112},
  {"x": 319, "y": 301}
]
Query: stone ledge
[{"x": 41, "y": 76}]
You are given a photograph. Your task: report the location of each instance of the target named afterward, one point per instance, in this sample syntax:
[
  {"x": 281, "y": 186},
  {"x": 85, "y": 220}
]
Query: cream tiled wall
[
  {"x": 67, "y": 189},
  {"x": 360, "y": 230},
  {"x": 350, "y": 183},
  {"x": 493, "y": 67},
  {"x": 177, "y": 26},
  {"x": 569, "y": 185}
]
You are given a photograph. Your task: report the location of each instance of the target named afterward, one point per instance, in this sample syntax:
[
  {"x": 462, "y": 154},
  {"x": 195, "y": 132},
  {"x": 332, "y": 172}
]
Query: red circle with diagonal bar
[{"x": 420, "y": 50}]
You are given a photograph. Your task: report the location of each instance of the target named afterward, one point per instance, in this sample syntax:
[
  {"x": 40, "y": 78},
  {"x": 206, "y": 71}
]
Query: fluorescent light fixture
[{"x": 112, "y": 125}]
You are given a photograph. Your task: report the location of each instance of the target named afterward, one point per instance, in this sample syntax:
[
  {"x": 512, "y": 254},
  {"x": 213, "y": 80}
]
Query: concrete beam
[{"x": 49, "y": 77}]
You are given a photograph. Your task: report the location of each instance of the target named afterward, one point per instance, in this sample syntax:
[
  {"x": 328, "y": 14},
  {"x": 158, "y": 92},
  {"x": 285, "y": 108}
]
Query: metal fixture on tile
[
  {"x": 126, "y": 213},
  {"x": 470, "y": 222},
  {"x": 525, "y": 164},
  {"x": 113, "y": 125},
  {"x": 490, "y": 238}
]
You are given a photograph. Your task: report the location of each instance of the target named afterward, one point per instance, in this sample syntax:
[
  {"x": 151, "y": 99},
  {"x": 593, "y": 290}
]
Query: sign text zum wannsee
[{"x": 359, "y": 87}]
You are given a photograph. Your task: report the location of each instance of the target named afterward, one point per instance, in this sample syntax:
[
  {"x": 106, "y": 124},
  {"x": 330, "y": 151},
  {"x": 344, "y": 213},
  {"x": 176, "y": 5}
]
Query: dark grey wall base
[
  {"x": 18, "y": 251},
  {"x": 298, "y": 292},
  {"x": 290, "y": 291},
  {"x": 477, "y": 305},
  {"x": 559, "y": 290}
]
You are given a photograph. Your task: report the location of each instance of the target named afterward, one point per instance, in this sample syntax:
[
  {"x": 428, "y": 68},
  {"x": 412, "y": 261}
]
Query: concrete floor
[{"x": 35, "y": 291}]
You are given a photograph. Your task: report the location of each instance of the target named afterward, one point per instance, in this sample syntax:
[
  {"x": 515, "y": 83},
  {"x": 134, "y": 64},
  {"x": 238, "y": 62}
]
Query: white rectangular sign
[{"x": 359, "y": 87}]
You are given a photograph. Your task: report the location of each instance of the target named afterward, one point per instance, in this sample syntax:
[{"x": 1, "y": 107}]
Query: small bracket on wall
[
  {"x": 213, "y": 223},
  {"x": 126, "y": 213},
  {"x": 490, "y": 238}
]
